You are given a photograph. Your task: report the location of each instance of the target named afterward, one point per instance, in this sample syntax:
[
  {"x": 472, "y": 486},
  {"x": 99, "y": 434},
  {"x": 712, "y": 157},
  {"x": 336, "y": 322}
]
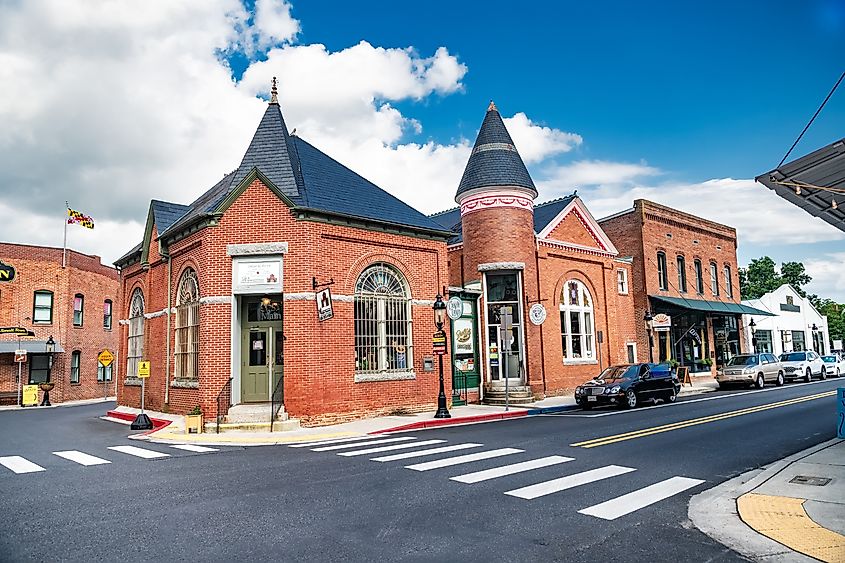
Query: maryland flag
[{"x": 79, "y": 219}]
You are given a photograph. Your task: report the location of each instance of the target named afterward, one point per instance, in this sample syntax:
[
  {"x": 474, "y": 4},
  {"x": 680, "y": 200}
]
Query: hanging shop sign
[
  {"x": 438, "y": 342},
  {"x": 7, "y": 272},
  {"x": 661, "y": 322},
  {"x": 325, "y": 310},
  {"x": 537, "y": 314},
  {"x": 455, "y": 308},
  {"x": 463, "y": 337},
  {"x": 105, "y": 358}
]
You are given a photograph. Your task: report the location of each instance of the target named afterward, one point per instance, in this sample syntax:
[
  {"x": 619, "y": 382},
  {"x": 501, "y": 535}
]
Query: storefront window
[
  {"x": 764, "y": 341},
  {"x": 798, "y": 342},
  {"x": 576, "y": 322},
  {"x": 382, "y": 321}
]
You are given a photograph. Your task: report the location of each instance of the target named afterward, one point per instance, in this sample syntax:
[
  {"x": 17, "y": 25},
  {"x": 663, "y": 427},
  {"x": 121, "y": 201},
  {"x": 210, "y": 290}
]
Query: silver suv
[
  {"x": 804, "y": 364},
  {"x": 751, "y": 369}
]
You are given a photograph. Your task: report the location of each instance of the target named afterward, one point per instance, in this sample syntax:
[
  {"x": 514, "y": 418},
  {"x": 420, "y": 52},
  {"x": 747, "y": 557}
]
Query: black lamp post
[
  {"x": 48, "y": 385},
  {"x": 753, "y": 326},
  {"x": 648, "y": 320},
  {"x": 439, "y": 319}
]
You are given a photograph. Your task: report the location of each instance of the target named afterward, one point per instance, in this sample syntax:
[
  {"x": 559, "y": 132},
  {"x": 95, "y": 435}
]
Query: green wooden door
[{"x": 261, "y": 336}]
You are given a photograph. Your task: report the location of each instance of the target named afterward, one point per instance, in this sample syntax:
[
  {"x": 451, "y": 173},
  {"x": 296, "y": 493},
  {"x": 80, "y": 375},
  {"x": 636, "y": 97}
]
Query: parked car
[
  {"x": 834, "y": 364},
  {"x": 751, "y": 369},
  {"x": 804, "y": 364},
  {"x": 628, "y": 385}
]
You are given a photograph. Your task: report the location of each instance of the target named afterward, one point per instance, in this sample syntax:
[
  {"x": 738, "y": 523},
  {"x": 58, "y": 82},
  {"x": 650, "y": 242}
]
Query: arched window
[
  {"x": 382, "y": 318},
  {"x": 729, "y": 286},
  {"x": 699, "y": 277},
  {"x": 576, "y": 322},
  {"x": 714, "y": 279},
  {"x": 135, "y": 344},
  {"x": 187, "y": 326}
]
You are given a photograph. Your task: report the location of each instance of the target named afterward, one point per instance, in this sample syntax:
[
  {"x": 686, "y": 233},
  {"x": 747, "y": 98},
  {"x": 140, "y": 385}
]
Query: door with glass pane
[
  {"x": 503, "y": 290},
  {"x": 261, "y": 337}
]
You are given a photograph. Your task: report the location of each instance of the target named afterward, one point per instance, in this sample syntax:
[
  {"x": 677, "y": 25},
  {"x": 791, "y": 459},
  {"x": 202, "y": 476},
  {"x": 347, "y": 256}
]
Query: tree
[
  {"x": 835, "y": 313},
  {"x": 760, "y": 277},
  {"x": 794, "y": 274}
]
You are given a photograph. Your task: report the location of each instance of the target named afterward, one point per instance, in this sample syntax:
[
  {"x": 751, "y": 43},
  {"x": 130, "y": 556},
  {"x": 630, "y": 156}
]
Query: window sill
[
  {"x": 584, "y": 362},
  {"x": 78, "y": 326},
  {"x": 42, "y": 323},
  {"x": 384, "y": 376},
  {"x": 185, "y": 384},
  {"x": 132, "y": 382},
  {"x": 72, "y": 384}
]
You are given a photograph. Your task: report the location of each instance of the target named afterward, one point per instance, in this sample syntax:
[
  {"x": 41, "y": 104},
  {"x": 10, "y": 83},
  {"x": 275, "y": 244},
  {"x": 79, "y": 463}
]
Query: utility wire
[{"x": 832, "y": 90}]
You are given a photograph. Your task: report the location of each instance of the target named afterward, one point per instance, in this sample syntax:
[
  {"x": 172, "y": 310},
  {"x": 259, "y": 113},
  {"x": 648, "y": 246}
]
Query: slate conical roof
[
  {"x": 273, "y": 153},
  {"x": 494, "y": 160}
]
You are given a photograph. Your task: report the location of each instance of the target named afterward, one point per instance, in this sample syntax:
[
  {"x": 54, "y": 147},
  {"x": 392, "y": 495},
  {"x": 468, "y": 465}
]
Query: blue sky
[{"x": 678, "y": 103}]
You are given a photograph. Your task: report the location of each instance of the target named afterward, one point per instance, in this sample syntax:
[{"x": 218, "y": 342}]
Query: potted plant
[
  {"x": 193, "y": 420},
  {"x": 673, "y": 365}
]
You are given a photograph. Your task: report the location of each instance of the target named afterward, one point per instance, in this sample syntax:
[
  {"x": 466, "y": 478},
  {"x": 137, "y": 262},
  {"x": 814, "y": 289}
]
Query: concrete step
[
  {"x": 499, "y": 401},
  {"x": 278, "y": 426},
  {"x": 497, "y": 390},
  {"x": 253, "y": 413}
]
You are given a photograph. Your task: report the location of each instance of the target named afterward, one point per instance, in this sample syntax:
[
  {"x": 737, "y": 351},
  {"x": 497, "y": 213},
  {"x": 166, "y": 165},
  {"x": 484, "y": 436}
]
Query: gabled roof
[
  {"x": 166, "y": 213},
  {"x": 494, "y": 160},
  {"x": 575, "y": 205},
  {"x": 451, "y": 221}
]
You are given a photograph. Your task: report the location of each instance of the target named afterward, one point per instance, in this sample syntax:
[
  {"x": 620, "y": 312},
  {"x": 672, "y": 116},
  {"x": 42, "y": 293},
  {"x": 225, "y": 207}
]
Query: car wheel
[
  {"x": 723, "y": 386},
  {"x": 761, "y": 382},
  {"x": 779, "y": 381},
  {"x": 631, "y": 400},
  {"x": 823, "y": 375},
  {"x": 808, "y": 377}
]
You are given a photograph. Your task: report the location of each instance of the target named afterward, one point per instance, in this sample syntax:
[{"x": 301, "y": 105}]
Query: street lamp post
[
  {"x": 49, "y": 348},
  {"x": 439, "y": 319},
  {"x": 648, "y": 322},
  {"x": 753, "y": 326}
]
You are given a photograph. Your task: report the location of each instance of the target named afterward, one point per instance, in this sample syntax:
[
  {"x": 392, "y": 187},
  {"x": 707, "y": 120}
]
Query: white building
[{"x": 797, "y": 325}]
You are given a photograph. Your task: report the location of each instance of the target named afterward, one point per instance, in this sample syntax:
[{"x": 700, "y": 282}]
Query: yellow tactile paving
[
  {"x": 234, "y": 439},
  {"x": 784, "y": 520}
]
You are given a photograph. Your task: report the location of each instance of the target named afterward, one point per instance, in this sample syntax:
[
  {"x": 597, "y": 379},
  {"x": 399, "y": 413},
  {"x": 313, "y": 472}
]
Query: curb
[
  {"x": 158, "y": 423},
  {"x": 446, "y": 422}
]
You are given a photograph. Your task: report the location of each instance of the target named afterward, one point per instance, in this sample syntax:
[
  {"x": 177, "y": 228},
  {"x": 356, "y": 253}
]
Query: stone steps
[
  {"x": 278, "y": 426},
  {"x": 516, "y": 395},
  {"x": 253, "y": 413}
]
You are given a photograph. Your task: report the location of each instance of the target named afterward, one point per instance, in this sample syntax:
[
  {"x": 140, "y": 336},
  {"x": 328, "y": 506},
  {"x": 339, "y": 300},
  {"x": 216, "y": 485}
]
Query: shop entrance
[{"x": 262, "y": 347}]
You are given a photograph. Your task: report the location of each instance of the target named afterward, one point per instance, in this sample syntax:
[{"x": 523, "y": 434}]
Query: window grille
[
  {"x": 382, "y": 319},
  {"x": 187, "y": 326},
  {"x": 576, "y": 322},
  {"x": 135, "y": 344}
]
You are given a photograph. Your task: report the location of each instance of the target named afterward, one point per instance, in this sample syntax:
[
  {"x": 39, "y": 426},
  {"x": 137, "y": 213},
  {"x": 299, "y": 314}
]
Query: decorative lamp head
[{"x": 439, "y": 311}]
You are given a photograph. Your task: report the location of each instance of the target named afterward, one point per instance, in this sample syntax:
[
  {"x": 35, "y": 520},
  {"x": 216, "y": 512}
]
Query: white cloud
[
  {"x": 537, "y": 142},
  {"x": 828, "y": 273},
  {"x": 274, "y": 24}
]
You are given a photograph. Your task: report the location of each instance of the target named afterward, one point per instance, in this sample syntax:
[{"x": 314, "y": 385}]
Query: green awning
[{"x": 718, "y": 307}]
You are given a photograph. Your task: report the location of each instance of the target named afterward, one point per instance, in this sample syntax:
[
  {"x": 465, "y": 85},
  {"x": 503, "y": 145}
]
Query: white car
[
  {"x": 802, "y": 365},
  {"x": 834, "y": 364}
]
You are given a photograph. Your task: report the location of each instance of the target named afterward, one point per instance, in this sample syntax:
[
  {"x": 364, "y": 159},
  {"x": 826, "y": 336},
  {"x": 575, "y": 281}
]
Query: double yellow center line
[{"x": 695, "y": 421}]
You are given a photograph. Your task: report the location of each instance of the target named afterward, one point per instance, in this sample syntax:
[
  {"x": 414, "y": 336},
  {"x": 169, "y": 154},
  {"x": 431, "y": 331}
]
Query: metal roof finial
[
  {"x": 274, "y": 94},
  {"x": 492, "y": 106}
]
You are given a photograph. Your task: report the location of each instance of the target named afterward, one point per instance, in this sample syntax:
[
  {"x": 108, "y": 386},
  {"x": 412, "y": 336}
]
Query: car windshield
[
  {"x": 829, "y": 359},
  {"x": 792, "y": 357},
  {"x": 614, "y": 373},
  {"x": 743, "y": 360}
]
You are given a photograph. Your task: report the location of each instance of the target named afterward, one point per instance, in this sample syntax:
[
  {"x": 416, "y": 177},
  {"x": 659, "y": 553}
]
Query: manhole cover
[{"x": 810, "y": 480}]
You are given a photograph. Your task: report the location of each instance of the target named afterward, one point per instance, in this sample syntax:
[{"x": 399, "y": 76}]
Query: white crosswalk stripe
[
  {"x": 324, "y": 442},
  {"x": 568, "y": 482},
  {"x": 380, "y": 449},
  {"x": 138, "y": 452},
  {"x": 430, "y": 451},
  {"x": 449, "y": 461},
  {"x": 19, "y": 464},
  {"x": 504, "y": 470},
  {"x": 81, "y": 457},
  {"x": 360, "y": 444},
  {"x": 194, "y": 448},
  {"x": 626, "y": 504}
]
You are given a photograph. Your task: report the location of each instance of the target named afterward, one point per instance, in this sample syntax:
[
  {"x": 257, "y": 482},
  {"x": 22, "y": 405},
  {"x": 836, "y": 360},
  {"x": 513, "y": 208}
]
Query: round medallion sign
[
  {"x": 537, "y": 314},
  {"x": 454, "y": 308}
]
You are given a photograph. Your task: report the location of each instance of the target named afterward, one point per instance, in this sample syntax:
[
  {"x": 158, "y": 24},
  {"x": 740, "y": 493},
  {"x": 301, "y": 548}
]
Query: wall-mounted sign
[
  {"x": 143, "y": 369},
  {"x": 325, "y": 311},
  {"x": 463, "y": 337},
  {"x": 537, "y": 314},
  {"x": 7, "y": 272},
  {"x": 257, "y": 275},
  {"x": 16, "y": 330},
  {"x": 661, "y": 322},
  {"x": 455, "y": 308}
]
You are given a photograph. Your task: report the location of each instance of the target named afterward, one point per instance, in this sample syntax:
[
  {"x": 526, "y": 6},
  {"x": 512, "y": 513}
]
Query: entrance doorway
[{"x": 262, "y": 348}]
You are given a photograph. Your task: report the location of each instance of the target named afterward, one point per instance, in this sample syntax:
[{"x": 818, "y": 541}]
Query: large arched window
[
  {"x": 135, "y": 347},
  {"x": 576, "y": 322},
  {"x": 383, "y": 340},
  {"x": 187, "y": 325}
]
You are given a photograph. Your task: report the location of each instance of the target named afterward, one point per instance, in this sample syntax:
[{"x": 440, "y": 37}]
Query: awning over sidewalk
[
  {"x": 31, "y": 346},
  {"x": 717, "y": 307}
]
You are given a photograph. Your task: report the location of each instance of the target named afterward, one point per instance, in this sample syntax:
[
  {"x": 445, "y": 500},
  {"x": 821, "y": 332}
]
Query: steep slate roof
[
  {"x": 544, "y": 213},
  {"x": 166, "y": 213},
  {"x": 494, "y": 160}
]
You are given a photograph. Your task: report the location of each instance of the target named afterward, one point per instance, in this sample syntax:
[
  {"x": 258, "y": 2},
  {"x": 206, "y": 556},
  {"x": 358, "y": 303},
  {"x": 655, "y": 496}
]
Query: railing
[
  {"x": 277, "y": 401},
  {"x": 224, "y": 400}
]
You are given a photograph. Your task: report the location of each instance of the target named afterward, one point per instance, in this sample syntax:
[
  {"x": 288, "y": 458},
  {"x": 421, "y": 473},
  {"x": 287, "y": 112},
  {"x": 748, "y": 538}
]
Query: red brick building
[
  {"x": 685, "y": 275},
  {"x": 565, "y": 281},
  {"x": 75, "y": 305}
]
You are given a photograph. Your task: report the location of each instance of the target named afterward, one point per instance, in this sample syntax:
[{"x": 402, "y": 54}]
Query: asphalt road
[{"x": 296, "y": 504}]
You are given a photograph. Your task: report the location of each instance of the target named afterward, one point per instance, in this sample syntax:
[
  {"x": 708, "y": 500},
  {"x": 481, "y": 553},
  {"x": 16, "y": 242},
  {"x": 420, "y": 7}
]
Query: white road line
[
  {"x": 193, "y": 448},
  {"x": 449, "y": 461},
  {"x": 81, "y": 458},
  {"x": 359, "y": 444},
  {"x": 334, "y": 441},
  {"x": 138, "y": 452},
  {"x": 389, "y": 448},
  {"x": 430, "y": 451},
  {"x": 479, "y": 476},
  {"x": 568, "y": 482},
  {"x": 620, "y": 506},
  {"x": 19, "y": 464}
]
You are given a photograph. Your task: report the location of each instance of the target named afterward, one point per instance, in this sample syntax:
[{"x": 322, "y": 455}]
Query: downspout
[{"x": 167, "y": 346}]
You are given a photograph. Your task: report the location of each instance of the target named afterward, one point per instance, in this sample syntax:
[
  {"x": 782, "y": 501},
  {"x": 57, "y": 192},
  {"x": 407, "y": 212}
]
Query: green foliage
[
  {"x": 835, "y": 313},
  {"x": 195, "y": 410},
  {"x": 794, "y": 274},
  {"x": 761, "y": 277}
]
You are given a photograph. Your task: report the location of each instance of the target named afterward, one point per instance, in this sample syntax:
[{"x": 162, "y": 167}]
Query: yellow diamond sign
[{"x": 105, "y": 358}]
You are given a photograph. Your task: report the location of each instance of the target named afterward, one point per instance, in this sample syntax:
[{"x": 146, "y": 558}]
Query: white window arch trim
[
  {"x": 383, "y": 319},
  {"x": 135, "y": 340},
  {"x": 186, "y": 350},
  {"x": 577, "y": 323}
]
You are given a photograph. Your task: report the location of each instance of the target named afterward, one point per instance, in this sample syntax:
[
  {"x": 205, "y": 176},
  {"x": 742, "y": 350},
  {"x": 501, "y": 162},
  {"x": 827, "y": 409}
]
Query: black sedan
[{"x": 629, "y": 385}]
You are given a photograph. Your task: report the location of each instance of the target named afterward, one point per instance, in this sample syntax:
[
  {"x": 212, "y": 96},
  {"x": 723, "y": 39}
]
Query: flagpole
[{"x": 64, "y": 243}]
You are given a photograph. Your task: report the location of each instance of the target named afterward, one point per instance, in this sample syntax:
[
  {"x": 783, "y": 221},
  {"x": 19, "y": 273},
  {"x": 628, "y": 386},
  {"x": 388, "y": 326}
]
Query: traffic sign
[
  {"x": 143, "y": 369},
  {"x": 438, "y": 342},
  {"x": 105, "y": 358},
  {"x": 20, "y": 356}
]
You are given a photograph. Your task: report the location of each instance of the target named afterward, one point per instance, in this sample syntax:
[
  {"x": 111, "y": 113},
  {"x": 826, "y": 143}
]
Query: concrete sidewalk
[
  {"x": 64, "y": 404},
  {"x": 793, "y": 510}
]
